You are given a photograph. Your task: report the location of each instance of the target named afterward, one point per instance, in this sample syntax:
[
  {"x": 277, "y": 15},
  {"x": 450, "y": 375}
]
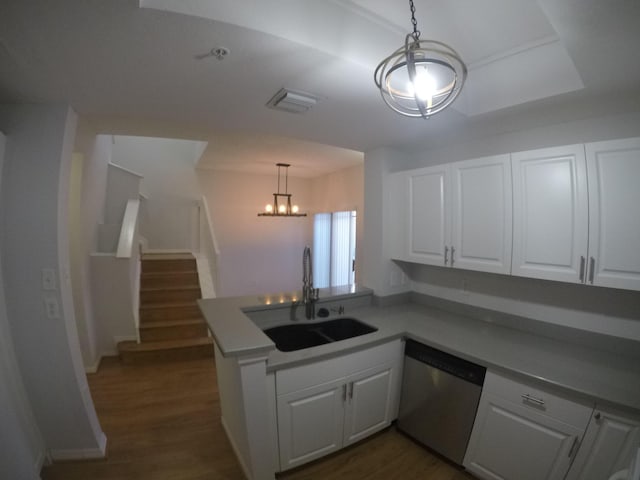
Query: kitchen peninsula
[{"x": 256, "y": 380}]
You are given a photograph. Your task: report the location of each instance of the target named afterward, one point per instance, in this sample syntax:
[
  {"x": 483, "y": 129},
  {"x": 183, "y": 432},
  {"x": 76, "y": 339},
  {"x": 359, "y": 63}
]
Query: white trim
[
  {"x": 81, "y": 453},
  {"x": 235, "y": 449},
  {"x": 124, "y": 338},
  {"x": 111, "y": 164},
  {"x": 93, "y": 368}
]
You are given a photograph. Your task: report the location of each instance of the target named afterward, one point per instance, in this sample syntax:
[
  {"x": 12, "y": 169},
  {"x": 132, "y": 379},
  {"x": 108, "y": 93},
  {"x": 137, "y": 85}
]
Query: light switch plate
[
  {"x": 52, "y": 307},
  {"x": 48, "y": 279}
]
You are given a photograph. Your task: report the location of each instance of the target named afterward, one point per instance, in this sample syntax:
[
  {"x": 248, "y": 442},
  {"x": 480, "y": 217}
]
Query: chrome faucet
[{"x": 309, "y": 294}]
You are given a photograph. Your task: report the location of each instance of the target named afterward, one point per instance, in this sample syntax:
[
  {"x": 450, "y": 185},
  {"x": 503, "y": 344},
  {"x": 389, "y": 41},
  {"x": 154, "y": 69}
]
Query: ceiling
[{"x": 139, "y": 68}]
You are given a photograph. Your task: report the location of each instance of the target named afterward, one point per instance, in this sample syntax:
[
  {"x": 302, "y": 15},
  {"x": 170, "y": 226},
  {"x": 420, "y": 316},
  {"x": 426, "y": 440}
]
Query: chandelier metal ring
[{"x": 421, "y": 78}]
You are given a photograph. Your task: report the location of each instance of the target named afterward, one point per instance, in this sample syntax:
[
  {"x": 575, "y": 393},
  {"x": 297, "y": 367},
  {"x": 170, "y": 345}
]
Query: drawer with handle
[{"x": 543, "y": 400}]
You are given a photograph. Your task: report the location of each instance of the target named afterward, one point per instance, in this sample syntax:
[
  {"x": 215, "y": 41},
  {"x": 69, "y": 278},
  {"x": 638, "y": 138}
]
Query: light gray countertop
[{"x": 594, "y": 374}]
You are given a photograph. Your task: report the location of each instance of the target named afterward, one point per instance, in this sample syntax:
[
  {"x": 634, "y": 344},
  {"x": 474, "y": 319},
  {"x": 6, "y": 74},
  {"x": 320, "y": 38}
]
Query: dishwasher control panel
[{"x": 446, "y": 362}]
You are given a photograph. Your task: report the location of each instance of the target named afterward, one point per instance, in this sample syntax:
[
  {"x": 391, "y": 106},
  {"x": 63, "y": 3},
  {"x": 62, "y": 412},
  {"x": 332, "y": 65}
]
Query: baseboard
[
  {"x": 93, "y": 368},
  {"x": 235, "y": 449},
  {"x": 124, "y": 338},
  {"x": 65, "y": 455},
  {"x": 41, "y": 460}
]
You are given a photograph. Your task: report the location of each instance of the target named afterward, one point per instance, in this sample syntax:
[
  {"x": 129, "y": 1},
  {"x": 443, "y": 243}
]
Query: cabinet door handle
[
  {"x": 351, "y": 391},
  {"x": 592, "y": 270},
  {"x": 574, "y": 446},
  {"x": 527, "y": 397},
  {"x": 344, "y": 393},
  {"x": 446, "y": 255},
  {"x": 453, "y": 251},
  {"x": 597, "y": 416},
  {"x": 582, "y": 265}
]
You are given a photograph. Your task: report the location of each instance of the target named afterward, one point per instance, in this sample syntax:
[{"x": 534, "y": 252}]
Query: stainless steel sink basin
[{"x": 289, "y": 338}]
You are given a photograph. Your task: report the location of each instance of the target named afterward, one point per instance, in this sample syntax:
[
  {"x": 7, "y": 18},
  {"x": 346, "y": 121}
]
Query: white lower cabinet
[
  {"x": 524, "y": 433},
  {"x": 317, "y": 419},
  {"x": 611, "y": 440}
]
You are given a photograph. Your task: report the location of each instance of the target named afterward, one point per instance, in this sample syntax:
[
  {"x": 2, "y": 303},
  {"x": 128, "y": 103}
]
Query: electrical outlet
[
  {"x": 48, "y": 279},
  {"x": 465, "y": 287},
  {"x": 52, "y": 307}
]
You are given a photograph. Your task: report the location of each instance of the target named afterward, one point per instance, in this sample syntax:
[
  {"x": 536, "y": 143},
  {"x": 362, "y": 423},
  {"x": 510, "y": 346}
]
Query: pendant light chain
[{"x": 416, "y": 32}]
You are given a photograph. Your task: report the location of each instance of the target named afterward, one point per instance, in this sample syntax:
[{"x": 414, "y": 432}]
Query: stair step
[
  {"x": 169, "y": 294},
  {"x": 166, "y": 263},
  {"x": 183, "y": 349},
  {"x": 159, "y": 312},
  {"x": 157, "y": 331},
  {"x": 168, "y": 279}
]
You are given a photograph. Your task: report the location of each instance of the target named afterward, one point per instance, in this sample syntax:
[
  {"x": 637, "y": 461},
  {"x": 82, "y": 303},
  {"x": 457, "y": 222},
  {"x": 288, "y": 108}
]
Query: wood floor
[{"x": 163, "y": 423}]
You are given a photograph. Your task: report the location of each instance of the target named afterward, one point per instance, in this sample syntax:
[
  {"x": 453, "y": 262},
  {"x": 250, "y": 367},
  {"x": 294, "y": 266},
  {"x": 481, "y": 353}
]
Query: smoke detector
[{"x": 292, "y": 101}]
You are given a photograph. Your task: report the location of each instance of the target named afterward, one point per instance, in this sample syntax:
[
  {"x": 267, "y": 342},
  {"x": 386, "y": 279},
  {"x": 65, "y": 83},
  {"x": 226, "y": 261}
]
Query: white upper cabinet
[
  {"x": 429, "y": 226},
  {"x": 614, "y": 219},
  {"x": 482, "y": 214},
  {"x": 564, "y": 213},
  {"x": 550, "y": 214},
  {"x": 457, "y": 215}
]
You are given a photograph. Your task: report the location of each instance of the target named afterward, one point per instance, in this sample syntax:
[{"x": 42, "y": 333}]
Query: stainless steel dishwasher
[{"x": 440, "y": 395}]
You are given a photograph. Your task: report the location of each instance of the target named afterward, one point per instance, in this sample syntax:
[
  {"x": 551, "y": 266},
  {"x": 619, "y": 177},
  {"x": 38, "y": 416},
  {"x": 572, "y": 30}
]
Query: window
[{"x": 334, "y": 247}]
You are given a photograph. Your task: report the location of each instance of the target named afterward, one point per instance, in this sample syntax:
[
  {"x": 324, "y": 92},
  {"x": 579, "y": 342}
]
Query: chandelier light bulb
[
  {"x": 282, "y": 201},
  {"x": 424, "y": 85}
]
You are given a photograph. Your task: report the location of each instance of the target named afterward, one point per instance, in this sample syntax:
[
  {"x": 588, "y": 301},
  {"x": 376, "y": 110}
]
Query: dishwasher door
[{"x": 437, "y": 408}]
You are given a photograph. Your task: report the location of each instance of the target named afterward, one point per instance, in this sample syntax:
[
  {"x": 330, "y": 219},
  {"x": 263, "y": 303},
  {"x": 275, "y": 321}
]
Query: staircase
[{"x": 171, "y": 325}]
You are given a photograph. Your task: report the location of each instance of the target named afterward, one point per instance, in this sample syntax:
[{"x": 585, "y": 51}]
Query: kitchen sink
[{"x": 289, "y": 338}]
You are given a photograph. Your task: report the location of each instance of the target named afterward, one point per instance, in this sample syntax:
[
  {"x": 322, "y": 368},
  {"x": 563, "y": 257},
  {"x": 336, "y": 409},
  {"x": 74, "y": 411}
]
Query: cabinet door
[
  {"x": 608, "y": 446},
  {"x": 511, "y": 442},
  {"x": 310, "y": 423},
  {"x": 481, "y": 199},
  {"x": 369, "y": 403},
  {"x": 550, "y": 214},
  {"x": 614, "y": 222},
  {"x": 428, "y": 219}
]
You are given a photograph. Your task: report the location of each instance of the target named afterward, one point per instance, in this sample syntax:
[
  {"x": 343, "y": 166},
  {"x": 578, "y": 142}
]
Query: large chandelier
[
  {"x": 421, "y": 78},
  {"x": 281, "y": 206}
]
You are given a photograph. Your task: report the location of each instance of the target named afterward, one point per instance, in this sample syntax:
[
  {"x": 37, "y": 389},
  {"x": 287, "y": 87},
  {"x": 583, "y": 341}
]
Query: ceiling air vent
[{"x": 292, "y": 101}]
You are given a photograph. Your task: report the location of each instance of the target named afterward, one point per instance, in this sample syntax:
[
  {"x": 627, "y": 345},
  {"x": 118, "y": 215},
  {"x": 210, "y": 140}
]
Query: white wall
[
  {"x": 340, "y": 191},
  {"x": 379, "y": 272},
  {"x": 35, "y": 237},
  {"x": 257, "y": 254},
  {"x": 169, "y": 180},
  {"x": 22, "y": 451},
  {"x": 96, "y": 155},
  {"x": 592, "y": 309}
]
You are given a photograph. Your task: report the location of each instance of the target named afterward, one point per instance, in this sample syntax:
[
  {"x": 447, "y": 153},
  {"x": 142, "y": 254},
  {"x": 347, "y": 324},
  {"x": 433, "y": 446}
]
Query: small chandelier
[
  {"x": 281, "y": 206},
  {"x": 421, "y": 78}
]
